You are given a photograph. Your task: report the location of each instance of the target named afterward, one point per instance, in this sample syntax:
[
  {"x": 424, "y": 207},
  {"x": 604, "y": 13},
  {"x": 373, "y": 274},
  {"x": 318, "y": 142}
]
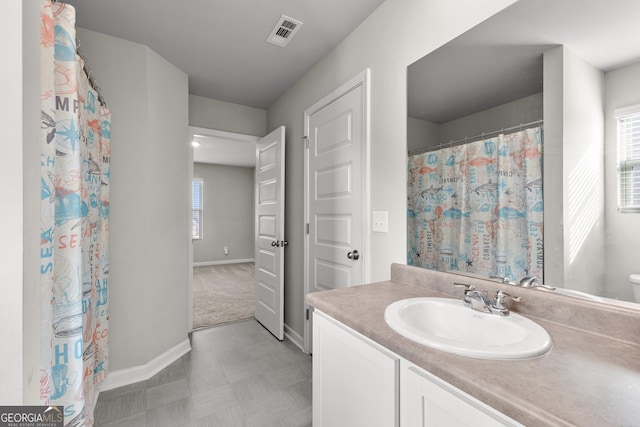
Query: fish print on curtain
[
  {"x": 478, "y": 207},
  {"x": 75, "y": 171}
]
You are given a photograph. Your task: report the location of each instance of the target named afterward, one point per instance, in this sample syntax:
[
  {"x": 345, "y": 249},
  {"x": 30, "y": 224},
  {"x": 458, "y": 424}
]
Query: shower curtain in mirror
[
  {"x": 75, "y": 132},
  {"x": 478, "y": 207}
]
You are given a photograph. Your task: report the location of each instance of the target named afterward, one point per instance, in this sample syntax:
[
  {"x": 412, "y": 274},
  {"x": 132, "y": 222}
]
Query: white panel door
[
  {"x": 336, "y": 193},
  {"x": 270, "y": 243}
]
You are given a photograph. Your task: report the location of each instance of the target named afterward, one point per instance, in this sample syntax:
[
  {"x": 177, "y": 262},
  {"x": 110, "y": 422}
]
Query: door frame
[
  {"x": 195, "y": 131},
  {"x": 361, "y": 79}
]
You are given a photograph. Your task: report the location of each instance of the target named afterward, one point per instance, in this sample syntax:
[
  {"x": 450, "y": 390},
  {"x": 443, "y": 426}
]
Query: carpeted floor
[{"x": 222, "y": 294}]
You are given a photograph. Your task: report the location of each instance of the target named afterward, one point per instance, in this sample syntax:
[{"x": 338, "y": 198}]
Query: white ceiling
[
  {"x": 221, "y": 44},
  {"x": 500, "y": 60}
]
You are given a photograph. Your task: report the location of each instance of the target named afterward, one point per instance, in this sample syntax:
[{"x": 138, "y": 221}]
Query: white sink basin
[{"x": 447, "y": 324}]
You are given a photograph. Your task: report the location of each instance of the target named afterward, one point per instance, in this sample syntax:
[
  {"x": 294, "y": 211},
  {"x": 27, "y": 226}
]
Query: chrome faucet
[
  {"x": 533, "y": 282},
  {"x": 478, "y": 300}
]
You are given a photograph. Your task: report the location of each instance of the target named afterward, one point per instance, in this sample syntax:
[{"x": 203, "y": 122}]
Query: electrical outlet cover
[{"x": 380, "y": 221}]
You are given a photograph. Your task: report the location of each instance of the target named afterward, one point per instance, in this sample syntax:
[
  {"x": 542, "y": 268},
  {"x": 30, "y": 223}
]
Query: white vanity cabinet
[
  {"x": 357, "y": 382},
  {"x": 428, "y": 401}
]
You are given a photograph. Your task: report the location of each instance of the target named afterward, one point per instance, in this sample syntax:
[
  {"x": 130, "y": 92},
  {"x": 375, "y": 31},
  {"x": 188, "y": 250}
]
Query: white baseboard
[
  {"x": 226, "y": 261},
  {"x": 294, "y": 337},
  {"x": 139, "y": 373}
]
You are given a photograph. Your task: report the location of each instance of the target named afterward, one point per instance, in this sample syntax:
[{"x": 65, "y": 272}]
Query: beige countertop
[{"x": 586, "y": 379}]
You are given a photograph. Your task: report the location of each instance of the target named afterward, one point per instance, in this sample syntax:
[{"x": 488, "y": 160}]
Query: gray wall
[
  {"x": 150, "y": 188},
  {"x": 20, "y": 220},
  {"x": 421, "y": 133},
  {"x": 513, "y": 113},
  {"x": 426, "y": 25},
  {"x": 573, "y": 172},
  {"x": 583, "y": 175},
  {"x": 214, "y": 114},
  {"x": 426, "y": 134},
  {"x": 228, "y": 213},
  {"x": 12, "y": 219},
  {"x": 31, "y": 202},
  {"x": 552, "y": 164},
  {"x": 622, "y": 89}
]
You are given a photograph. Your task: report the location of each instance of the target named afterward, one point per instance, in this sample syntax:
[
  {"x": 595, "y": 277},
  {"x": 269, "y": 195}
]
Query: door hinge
[
  {"x": 307, "y": 314},
  {"x": 306, "y": 141},
  {"x": 307, "y": 228}
]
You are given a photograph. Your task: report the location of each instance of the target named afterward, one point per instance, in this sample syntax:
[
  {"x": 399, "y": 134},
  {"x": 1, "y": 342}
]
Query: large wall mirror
[{"x": 527, "y": 99}]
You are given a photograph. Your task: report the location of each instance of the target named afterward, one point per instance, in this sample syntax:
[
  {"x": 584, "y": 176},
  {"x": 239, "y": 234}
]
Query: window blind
[{"x": 629, "y": 159}]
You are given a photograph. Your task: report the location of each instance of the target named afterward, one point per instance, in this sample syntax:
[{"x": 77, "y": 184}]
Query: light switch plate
[{"x": 380, "y": 221}]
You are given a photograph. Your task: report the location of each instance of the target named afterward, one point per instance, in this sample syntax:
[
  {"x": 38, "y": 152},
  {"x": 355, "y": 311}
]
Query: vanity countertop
[{"x": 587, "y": 379}]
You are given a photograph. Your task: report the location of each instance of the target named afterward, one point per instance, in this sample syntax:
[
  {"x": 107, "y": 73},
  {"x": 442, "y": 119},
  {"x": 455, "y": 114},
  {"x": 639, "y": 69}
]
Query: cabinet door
[
  {"x": 427, "y": 401},
  {"x": 355, "y": 381}
]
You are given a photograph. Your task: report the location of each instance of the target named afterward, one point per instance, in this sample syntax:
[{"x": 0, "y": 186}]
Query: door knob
[
  {"x": 354, "y": 255},
  {"x": 275, "y": 243}
]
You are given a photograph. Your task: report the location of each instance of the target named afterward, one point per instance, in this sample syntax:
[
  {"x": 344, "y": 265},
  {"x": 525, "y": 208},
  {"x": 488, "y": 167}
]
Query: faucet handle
[
  {"x": 533, "y": 282},
  {"x": 503, "y": 279},
  {"x": 500, "y": 302},
  {"x": 467, "y": 287}
]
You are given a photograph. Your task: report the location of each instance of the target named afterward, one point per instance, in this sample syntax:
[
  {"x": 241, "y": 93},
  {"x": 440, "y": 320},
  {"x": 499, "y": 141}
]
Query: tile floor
[{"x": 235, "y": 375}]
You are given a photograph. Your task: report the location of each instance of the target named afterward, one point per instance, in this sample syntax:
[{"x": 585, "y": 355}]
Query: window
[
  {"x": 629, "y": 159},
  {"x": 197, "y": 208}
]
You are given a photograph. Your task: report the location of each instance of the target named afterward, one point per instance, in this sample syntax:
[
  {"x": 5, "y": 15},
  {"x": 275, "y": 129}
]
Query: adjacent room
[{"x": 223, "y": 227}]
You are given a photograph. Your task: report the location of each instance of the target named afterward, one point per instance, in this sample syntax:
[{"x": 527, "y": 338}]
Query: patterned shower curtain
[
  {"x": 478, "y": 207},
  {"x": 74, "y": 223}
]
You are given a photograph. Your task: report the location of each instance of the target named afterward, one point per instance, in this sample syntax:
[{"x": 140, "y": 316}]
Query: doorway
[{"x": 222, "y": 250}]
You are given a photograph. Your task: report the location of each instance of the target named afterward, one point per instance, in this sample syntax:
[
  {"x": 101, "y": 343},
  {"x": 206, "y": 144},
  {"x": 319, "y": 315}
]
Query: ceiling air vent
[{"x": 284, "y": 30}]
